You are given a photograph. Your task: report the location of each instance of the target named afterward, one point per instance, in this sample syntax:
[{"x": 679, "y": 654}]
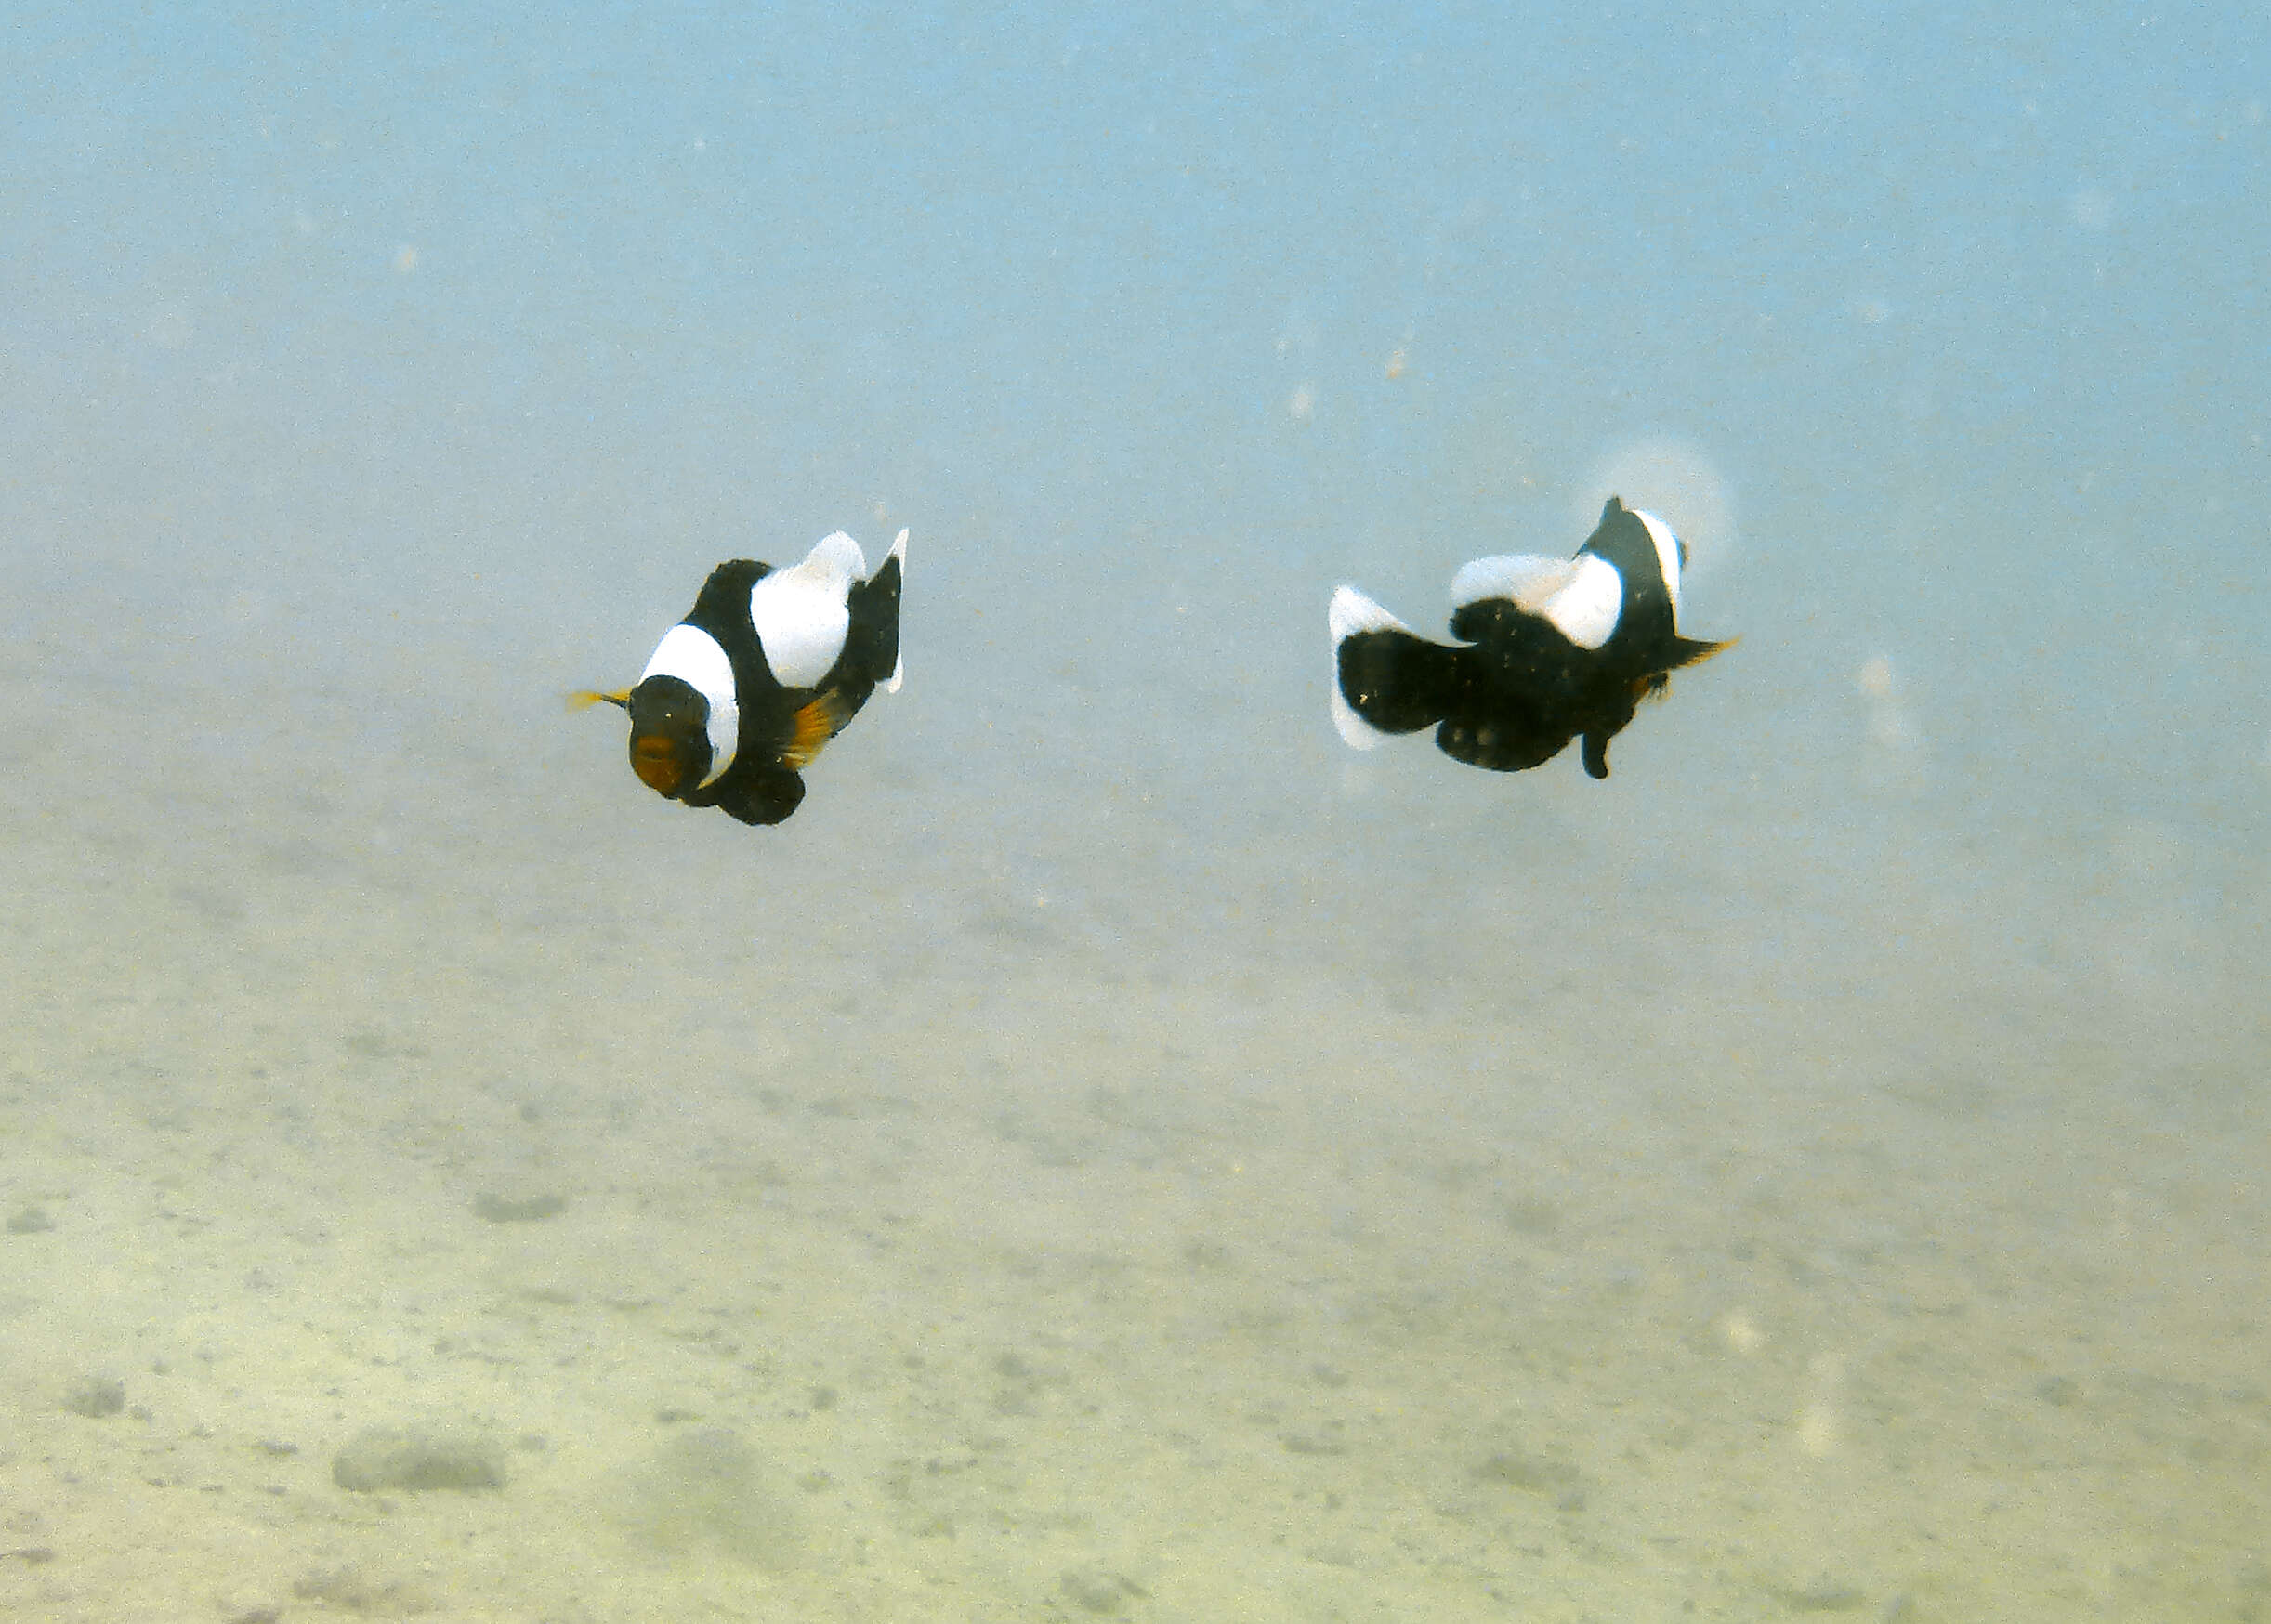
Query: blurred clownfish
[
  {"x": 1553, "y": 649},
  {"x": 768, "y": 667}
]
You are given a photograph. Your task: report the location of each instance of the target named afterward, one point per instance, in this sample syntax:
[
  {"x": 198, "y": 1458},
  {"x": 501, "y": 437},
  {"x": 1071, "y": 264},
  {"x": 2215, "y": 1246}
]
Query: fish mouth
[{"x": 656, "y": 762}]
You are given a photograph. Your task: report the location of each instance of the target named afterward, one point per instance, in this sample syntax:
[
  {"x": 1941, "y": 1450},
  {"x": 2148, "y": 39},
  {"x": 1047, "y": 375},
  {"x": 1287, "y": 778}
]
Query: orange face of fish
[{"x": 656, "y": 760}]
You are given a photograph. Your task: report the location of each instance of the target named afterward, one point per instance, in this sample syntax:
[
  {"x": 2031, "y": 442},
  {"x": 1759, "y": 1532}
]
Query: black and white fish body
[
  {"x": 766, "y": 669},
  {"x": 1549, "y": 650}
]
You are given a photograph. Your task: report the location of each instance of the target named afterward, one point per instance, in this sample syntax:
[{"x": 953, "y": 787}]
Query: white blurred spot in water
[
  {"x": 1297, "y": 337},
  {"x": 406, "y": 259},
  {"x": 1741, "y": 1333},
  {"x": 2090, "y": 207},
  {"x": 1891, "y": 725},
  {"x": 1675, "y": 482},
  {"x": 1821, "y": 1423},
  {"x": 1819, "y": 1429},
  {"x": 1895, "y": 742},
  {"x": 1302, "y": 403}
]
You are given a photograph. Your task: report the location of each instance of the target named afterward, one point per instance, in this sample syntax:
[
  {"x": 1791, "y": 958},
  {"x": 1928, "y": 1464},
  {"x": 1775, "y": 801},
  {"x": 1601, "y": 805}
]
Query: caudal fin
[
  {"x": 875, "y": 620},
  {"x": 1386, "y": 679},
  {"x": 896, "y": 562}
]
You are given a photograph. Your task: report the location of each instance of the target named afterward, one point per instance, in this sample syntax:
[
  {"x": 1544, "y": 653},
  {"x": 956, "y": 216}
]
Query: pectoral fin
[{"x": 815, "y": 723}]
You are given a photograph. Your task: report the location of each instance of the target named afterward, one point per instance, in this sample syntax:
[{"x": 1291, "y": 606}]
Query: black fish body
[
  {"x": 1549, "y": 650},
  {"x": 766, "y": 669}
]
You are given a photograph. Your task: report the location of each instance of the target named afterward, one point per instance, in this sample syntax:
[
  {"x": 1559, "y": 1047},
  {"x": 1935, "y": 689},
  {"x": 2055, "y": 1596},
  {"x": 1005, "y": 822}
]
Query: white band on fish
[{"x": 693, "y": 656}]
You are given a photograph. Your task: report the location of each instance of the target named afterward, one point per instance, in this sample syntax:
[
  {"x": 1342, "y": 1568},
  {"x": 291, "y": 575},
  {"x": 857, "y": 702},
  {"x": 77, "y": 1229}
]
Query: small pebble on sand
[
  {"x": 413, "y": 1462},
  {"x": 96, "y": 1397}
]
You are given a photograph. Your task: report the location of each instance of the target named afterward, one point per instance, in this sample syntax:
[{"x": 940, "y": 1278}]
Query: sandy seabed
[{"x": 978, "y": 1277}]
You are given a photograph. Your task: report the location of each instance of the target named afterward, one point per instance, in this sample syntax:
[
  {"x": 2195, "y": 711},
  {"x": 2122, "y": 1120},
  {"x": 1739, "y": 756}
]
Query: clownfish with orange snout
[
  {"x": 1549, "y": 650},
  {"x": 767, "y": 668}
]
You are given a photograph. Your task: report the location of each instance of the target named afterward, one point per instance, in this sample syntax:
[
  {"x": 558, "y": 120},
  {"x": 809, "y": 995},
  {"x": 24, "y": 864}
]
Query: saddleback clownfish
[
  {"x": 1552, "y": 650},
  {"x": 768, "y": 667}
]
